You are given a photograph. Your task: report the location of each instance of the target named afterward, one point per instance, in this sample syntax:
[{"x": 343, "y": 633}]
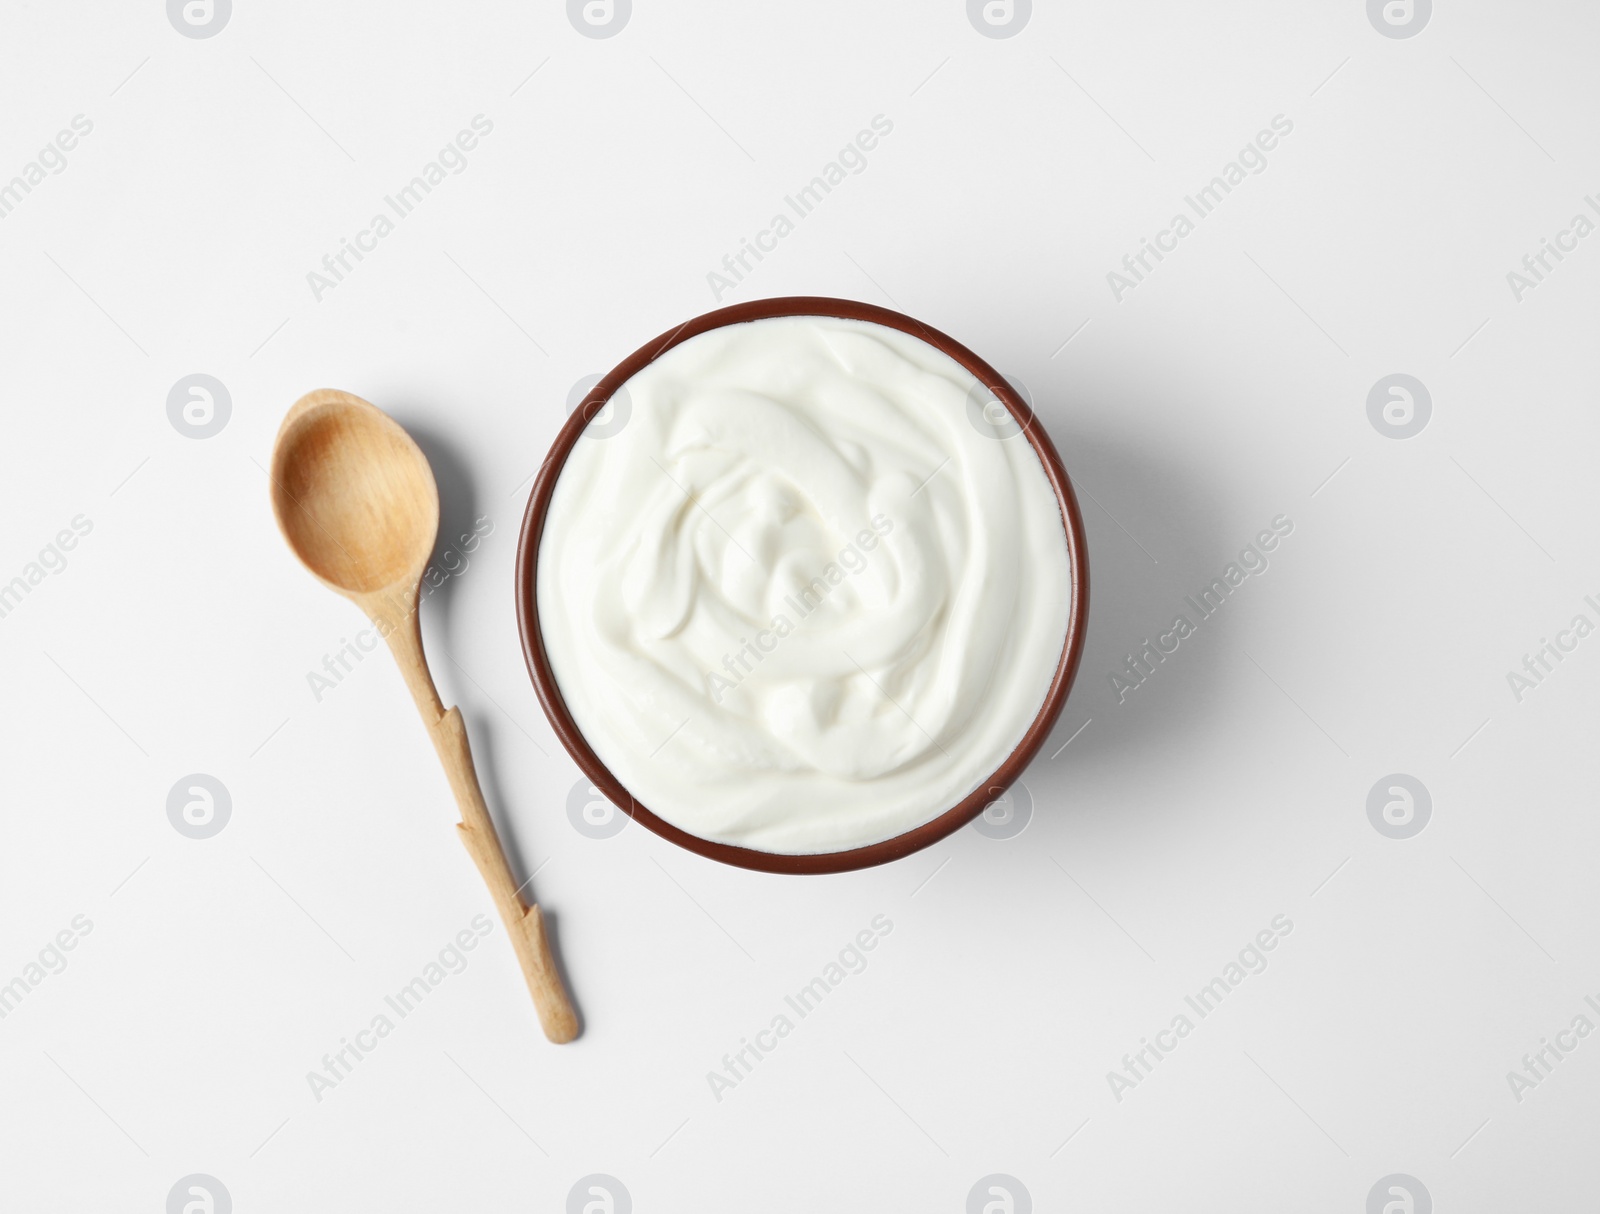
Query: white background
[{"x": 1229, "y": 387}]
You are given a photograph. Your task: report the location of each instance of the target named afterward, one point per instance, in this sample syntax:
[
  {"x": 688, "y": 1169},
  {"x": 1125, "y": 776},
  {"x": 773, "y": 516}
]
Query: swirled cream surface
[{"x": 797, "y": 590}]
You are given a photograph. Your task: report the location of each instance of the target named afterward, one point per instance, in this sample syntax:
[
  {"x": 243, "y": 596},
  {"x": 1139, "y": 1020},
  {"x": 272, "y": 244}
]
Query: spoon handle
[{"x": 523, "y": 921}]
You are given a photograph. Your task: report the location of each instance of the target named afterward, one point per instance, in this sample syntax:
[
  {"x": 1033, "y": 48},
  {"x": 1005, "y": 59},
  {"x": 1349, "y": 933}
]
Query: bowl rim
[{"x": 571, "y": 736}]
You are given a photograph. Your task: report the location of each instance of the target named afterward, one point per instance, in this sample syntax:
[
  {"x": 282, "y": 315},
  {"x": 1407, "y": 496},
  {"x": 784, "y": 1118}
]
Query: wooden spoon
[{"x": 356, "y": 499}]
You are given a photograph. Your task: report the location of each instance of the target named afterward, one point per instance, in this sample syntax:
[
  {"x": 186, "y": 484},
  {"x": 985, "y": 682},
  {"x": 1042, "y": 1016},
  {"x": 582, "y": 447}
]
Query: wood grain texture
[{"x": 356, "y": 501}]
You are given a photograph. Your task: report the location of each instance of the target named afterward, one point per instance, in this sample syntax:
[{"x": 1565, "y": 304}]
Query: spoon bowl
[{"x": 354, "y": 494}]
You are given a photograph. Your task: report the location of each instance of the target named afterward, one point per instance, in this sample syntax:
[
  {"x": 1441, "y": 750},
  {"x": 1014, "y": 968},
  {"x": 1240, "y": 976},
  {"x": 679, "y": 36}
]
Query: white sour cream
[{"x": 798, "y": 599}]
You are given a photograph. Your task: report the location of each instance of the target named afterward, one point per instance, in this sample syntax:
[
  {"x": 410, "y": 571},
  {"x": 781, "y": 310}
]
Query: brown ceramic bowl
[{"x": 577, "y": 745}]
